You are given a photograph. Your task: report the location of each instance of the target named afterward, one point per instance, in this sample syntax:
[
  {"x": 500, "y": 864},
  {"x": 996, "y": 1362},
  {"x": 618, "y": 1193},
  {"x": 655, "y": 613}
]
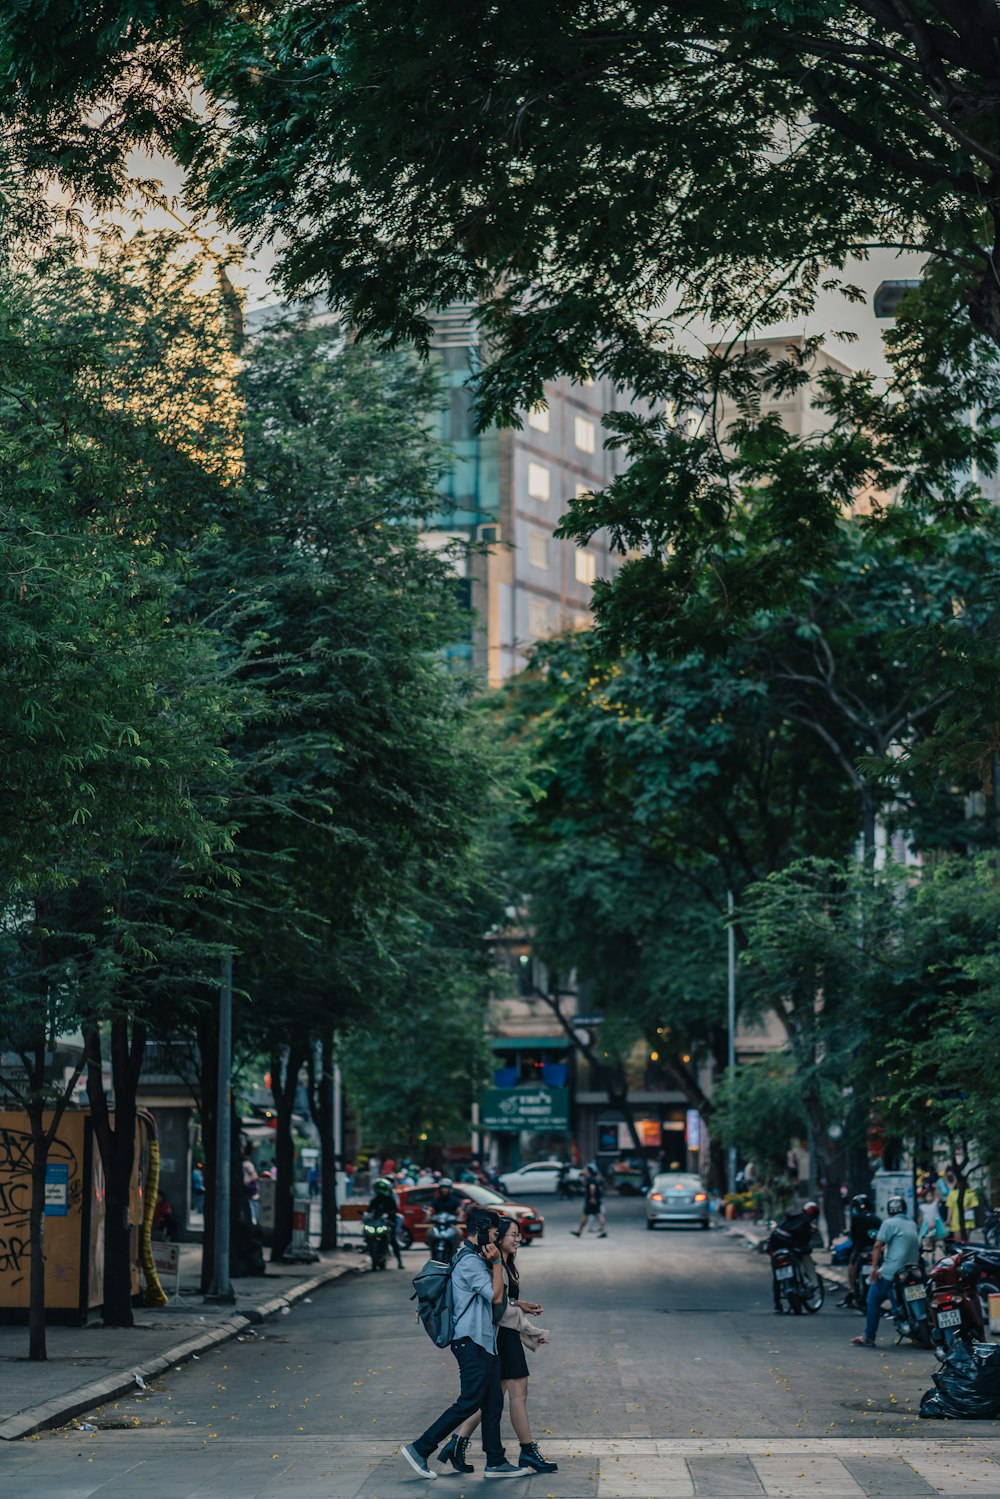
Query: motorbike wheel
[
  {"x": 405, "y": 1238},
  {"x": 922, "y": 1335},
  {"x": 991, "y": 1234},
  {"x": 815, "y": 1299}
]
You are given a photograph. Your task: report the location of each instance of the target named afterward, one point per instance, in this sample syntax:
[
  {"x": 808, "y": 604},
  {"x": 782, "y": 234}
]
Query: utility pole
[
  {"x": 731, "y": 1060},
  {"x": 221, "y": 1288}
]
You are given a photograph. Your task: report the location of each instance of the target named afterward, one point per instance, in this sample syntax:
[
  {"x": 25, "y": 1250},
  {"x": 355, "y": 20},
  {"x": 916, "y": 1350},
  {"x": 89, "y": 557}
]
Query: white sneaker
[{"x": 416, "y": 1462}]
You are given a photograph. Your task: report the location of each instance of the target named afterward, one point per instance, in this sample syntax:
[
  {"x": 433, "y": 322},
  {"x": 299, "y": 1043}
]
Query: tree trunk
[
  {"x": 821, "y": 1184},
  {"x": 327, "y": 1160},
  {"x": 37, "y": 1350},
  {"x": 116, "y": 1143},
  {"x": 208, "y": 1047},
  {"x": 284, "y": 1083}
]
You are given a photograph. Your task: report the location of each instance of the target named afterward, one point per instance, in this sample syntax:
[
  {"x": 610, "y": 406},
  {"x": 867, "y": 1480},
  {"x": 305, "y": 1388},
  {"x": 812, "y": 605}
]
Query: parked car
[
  {"x": 540, "y": 1176},
  {"x": 414, "y": 1203},
  {"x": 677, "y": 1198}
]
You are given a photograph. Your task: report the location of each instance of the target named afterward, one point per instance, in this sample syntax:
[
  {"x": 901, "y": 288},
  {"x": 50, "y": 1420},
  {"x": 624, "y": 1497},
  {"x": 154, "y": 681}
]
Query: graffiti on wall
[{"x": 15, "y": 1195}]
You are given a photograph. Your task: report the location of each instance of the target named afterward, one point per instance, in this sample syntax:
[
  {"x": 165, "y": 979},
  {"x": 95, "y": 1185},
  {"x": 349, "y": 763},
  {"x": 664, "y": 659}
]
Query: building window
[
  {"x": 538, "y": 618},
  {"x": 584, "y": 434},
  {"x": 538, "y": 417},
  {"x": 583, "y": 489},
  {"x": 538, "y": 548},
  {"x": 586, "y": 567},
  {"x": 539, "y": 481}
]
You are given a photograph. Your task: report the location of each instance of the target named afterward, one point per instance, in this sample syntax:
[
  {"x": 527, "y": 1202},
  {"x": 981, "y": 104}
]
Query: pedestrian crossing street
[{"x": 118, "y": 1465}]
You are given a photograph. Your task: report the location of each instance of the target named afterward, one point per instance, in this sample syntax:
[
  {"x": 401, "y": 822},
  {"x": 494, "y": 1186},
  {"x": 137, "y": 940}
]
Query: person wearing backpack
[{"x": 477, "y": 1286}]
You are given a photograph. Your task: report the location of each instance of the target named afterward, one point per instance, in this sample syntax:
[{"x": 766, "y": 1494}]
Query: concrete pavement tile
[
  {"x": 795, "y": 1476},
  {"x": 645, "y": 1478},
  {"x": 724, "y": 1475},
  {"x": 891, "y": 1477},
  {"x": 956, "y": 1470}
]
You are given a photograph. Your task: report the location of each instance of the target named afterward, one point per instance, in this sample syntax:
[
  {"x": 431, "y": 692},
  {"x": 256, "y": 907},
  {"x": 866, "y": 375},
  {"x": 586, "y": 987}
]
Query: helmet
[
  {"x": 895, "y": 1206},
  {"x": 592, "y": 1166},
  {"x": 446, "y": 1184},
  {"x": 811, "y": 1209},
  {"x": 382, "y": 1184},
  {"x": 862, "y": 1203}
]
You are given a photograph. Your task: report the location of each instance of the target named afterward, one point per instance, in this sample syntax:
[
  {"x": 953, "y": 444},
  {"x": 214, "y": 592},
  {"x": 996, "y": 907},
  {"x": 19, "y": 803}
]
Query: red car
[{"x": 414, "y": 1203}]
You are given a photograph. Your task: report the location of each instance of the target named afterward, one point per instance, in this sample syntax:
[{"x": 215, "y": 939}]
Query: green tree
[
  {"x": 360, "y": 789},
  {"x": 114, "y": 707}
]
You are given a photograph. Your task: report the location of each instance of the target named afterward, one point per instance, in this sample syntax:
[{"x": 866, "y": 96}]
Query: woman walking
[{"x": 513, "y": 1364}]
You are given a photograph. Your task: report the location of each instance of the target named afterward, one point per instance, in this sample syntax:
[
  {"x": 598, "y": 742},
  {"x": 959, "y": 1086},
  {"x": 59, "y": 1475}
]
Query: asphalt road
[{"x": 656, "y": 1338}]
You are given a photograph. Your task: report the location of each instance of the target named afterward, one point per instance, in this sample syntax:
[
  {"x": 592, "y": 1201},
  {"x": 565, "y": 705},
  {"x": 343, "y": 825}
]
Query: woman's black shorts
[{"x": 513, "y": 1364}]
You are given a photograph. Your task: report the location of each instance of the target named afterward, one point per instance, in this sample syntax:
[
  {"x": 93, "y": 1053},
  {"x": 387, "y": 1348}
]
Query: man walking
[
  {"x": 897, "y": 1243},
  {"x": 477, "y": 1284},
  {"x": 593, "y": 1202}
]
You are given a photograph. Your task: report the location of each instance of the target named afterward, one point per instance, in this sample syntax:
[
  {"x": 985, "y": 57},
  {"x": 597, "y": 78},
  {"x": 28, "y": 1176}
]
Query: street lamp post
[
  {"x": 731, "y": 1015},
  {"x": 221, "y": 1288}
]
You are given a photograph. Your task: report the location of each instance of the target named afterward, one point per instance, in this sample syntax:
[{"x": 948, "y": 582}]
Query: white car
[{"x": 540, "y": 1176}]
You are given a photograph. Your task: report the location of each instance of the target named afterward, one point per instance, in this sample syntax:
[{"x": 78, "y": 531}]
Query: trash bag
[{"x": 967, "y": 1385}]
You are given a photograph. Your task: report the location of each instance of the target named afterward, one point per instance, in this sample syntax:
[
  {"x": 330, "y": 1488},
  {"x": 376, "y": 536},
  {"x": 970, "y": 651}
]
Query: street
[{"x": 667, "y": 1374}]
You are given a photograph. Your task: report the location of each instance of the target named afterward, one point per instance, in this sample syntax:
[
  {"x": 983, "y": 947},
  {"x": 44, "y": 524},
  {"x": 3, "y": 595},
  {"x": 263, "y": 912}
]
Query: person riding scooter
[
  {"x": 446, "y": 1199},
  {"x": 864, "y": 1226},
  {"x": 384, "y": 1205},
  {"x": 796, "y": 1230}
]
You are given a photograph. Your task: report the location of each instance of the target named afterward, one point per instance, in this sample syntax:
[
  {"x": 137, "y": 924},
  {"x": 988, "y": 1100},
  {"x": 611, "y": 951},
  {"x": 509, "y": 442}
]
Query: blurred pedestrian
[
  {"x": 593, "y": 1203},
  {"x": 477, "y": 1287},
  {"x": 251, "y": 1184},
  {"x": 197, "y": 1187},
  {"x": 314, "y": 1180},
  {"x": 513, "y": 1331}
]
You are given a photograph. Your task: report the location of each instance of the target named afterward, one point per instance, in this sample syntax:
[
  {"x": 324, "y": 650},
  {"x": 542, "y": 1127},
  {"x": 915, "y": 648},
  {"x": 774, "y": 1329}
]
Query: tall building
[{"x": 509, "y": 489}]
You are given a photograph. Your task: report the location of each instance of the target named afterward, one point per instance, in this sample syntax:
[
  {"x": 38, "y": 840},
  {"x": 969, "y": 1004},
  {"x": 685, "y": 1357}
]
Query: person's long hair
[{"x": 515, "y": 1284}]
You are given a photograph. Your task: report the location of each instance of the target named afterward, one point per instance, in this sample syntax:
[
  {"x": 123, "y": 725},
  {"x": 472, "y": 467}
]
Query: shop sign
[{"x": 511, "y": 1110}]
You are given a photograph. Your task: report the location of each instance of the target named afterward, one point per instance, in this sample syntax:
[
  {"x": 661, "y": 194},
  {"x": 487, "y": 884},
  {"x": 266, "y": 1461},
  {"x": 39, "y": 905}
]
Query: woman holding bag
[{"x": 515, "y": 1332}]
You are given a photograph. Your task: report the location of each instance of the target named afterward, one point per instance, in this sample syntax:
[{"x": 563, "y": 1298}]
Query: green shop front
[
  {"x": 527, "y": 1065},
  {"x": 527, "y": 1123}
]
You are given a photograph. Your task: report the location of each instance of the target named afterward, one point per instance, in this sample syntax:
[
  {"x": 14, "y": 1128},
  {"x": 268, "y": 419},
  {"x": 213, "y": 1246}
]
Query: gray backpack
[{"x": 434, "y": 1294}]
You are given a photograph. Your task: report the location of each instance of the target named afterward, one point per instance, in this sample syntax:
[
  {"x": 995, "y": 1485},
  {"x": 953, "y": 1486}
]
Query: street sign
[
  {"x": 56, "y": 1189},
  {"x": 510, "y": 1110}
]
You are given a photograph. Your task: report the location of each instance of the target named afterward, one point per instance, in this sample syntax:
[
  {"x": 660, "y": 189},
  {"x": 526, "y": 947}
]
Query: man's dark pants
[{"x": 479, "y": 1389}]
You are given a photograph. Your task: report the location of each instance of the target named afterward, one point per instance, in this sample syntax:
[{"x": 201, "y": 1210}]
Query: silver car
[{"x": 677, "y": 1198}]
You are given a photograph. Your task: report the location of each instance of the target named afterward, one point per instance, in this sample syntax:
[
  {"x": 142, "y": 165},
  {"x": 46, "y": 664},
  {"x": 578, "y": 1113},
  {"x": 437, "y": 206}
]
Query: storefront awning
[{"x": 531, "y": 1043}]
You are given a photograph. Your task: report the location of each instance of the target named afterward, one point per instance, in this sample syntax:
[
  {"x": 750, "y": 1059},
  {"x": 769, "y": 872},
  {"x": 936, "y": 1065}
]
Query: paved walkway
[
  {"x": 87, "y": 1365},
  {"x": 111, "y": 1464}
]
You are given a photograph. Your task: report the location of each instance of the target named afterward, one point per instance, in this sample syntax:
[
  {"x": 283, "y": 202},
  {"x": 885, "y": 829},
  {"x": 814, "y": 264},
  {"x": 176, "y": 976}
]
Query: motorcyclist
[
  {"x": 446, "y": 1199},
  {"x": 796, "y": 1231},
  {"x": 897, "y": 1244},
  {"x": 384, "y": 1205},
  {"x": 863, "y": 1228}
]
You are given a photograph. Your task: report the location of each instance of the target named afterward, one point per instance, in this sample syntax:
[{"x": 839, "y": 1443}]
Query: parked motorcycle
[
  {"x": 794, "y": 1292},
  {"x": 443, "y": 1237},
  {"x": 376, "y": 1235},
  {"x": 959, "y": 1289},
  {"x": 991, "y": 1228},
  {"x": 910, "y": 1305}
]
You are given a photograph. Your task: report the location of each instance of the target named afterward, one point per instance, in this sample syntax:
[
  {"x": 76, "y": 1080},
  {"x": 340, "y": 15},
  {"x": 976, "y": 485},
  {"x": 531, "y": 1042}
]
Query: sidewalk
[{"x": 89, "y": 1365}]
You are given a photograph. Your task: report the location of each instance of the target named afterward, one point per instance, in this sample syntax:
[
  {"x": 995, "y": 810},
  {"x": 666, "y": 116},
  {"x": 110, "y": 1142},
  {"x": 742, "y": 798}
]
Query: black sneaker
[
  {"x": 504, "y": 1470},
  {"x": 532, "y": 1459},
  {"x": 453, "y": 1452},
  {"x": 416, "y": 1461}
]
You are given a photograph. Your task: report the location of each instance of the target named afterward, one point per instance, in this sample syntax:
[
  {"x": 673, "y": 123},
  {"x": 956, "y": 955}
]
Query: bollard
[{"x": 298, "y": 1251}]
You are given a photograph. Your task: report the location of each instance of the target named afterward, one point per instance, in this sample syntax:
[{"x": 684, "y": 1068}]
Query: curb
[{"x": 63, "y": 1408}]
